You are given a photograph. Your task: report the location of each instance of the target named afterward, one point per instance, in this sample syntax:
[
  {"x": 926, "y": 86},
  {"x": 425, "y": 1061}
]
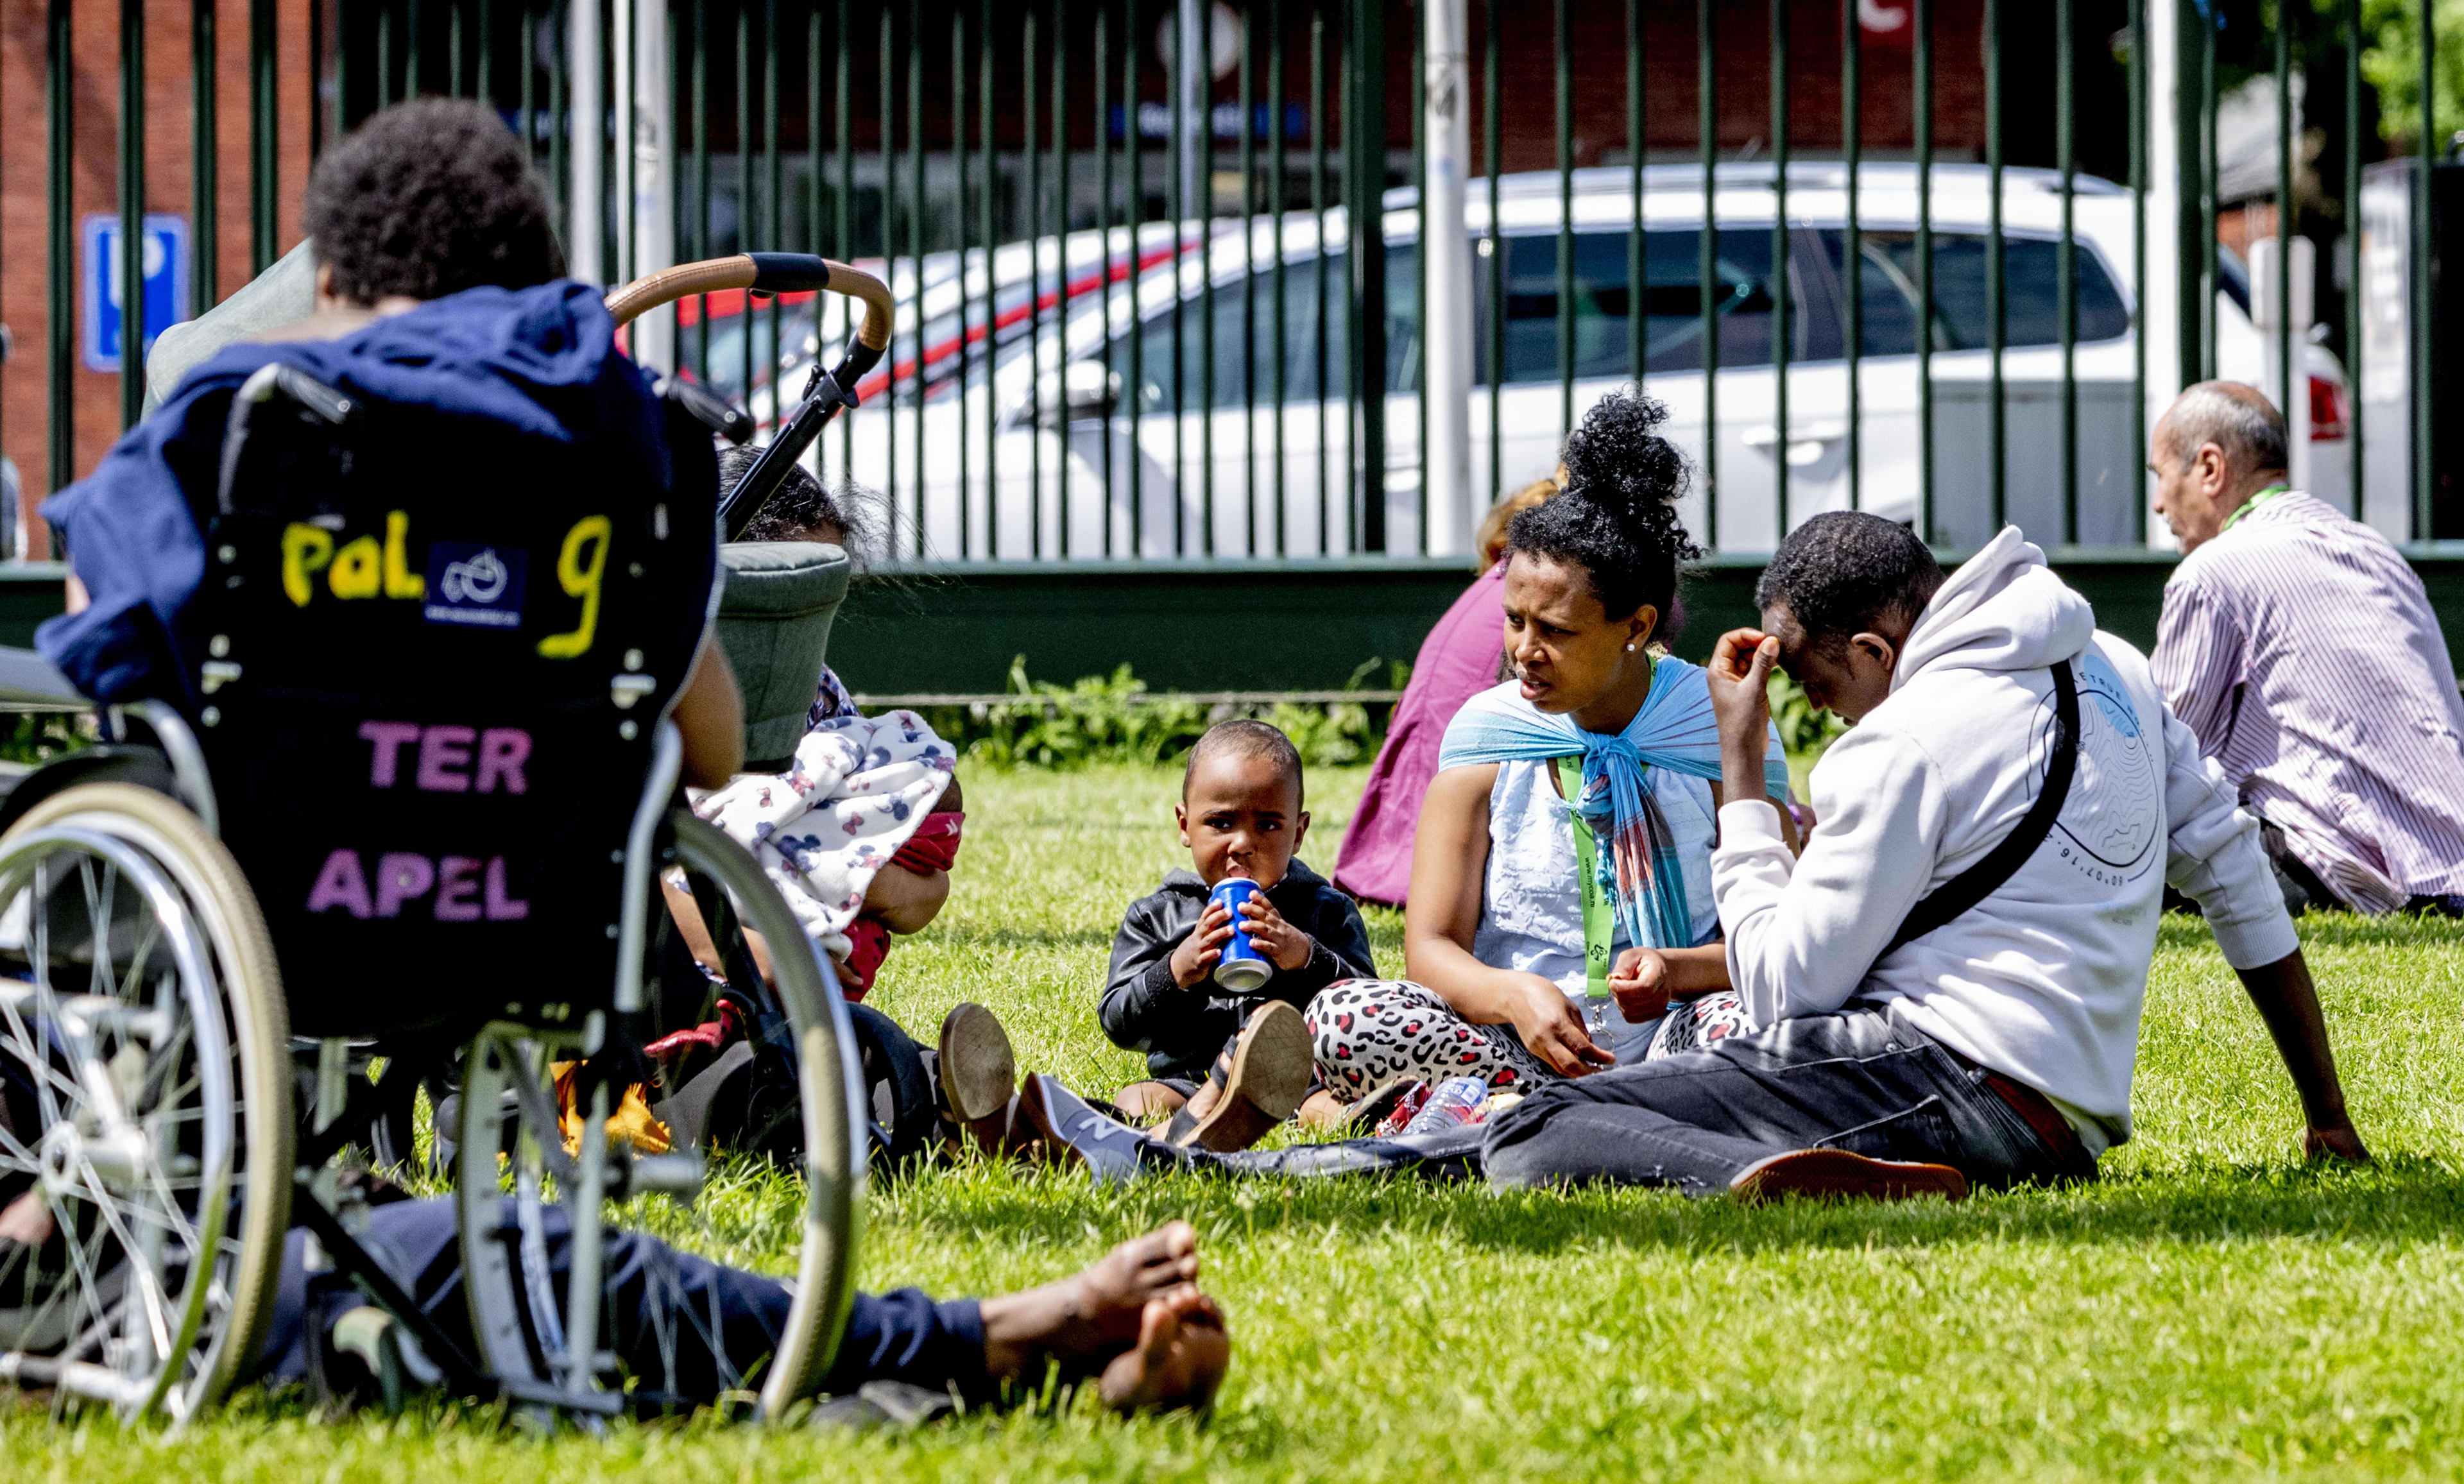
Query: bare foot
[
  {"x": 26, "y": 1220},
  {"x": 1139, "y": 1305},
  {"x": 1179, "y": 1359},
  {"x": 1323, "y": 1109},
  {"x": 1148, "y": 1103}
]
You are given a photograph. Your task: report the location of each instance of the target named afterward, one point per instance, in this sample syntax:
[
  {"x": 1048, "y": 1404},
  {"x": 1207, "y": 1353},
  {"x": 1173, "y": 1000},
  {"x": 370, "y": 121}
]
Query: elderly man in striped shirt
[{"x": 2301, "y": 647}]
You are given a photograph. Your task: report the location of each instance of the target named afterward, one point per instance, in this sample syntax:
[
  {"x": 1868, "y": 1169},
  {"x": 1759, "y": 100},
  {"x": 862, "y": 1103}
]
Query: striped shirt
[{"x": 2302, "y": 648}]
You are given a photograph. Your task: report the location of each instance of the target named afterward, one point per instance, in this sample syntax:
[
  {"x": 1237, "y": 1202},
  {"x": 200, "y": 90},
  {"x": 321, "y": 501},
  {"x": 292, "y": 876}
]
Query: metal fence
[{"x": 1169, "y": 288}]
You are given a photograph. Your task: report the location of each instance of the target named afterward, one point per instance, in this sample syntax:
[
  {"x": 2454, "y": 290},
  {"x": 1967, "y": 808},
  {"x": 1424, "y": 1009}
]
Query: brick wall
[{"x": 24, "y": 142}]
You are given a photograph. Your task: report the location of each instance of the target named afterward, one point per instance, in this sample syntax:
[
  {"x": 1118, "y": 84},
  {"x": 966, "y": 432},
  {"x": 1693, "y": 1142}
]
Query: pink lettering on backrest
[
  {"x": 443, "y": 749},
  {"x": 340, "y": 883},
  {"x": 502, "y": 752},
  {"x": 502, "y": 908},
  {"x": 389, "y": 737},
  {"x": 402, "y": 878},
  {"x": 457, "y": 890}
]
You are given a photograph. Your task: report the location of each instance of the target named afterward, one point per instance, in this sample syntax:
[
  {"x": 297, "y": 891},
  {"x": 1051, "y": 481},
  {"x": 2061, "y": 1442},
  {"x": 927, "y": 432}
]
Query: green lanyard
[
  {"x": 1599, "y": 922},
  {"x": 2253, "y": 503}
]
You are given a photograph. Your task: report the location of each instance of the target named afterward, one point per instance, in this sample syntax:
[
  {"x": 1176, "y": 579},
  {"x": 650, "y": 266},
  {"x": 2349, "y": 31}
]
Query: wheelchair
[{"x": 410, "y": 833}]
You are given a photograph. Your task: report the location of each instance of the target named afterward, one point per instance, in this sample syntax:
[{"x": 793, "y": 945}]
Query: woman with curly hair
[{"x": 1561, "y": 885}]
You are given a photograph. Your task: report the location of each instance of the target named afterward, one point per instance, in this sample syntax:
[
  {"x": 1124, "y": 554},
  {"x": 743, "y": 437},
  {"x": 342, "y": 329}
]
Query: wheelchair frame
[{"x": 233, "y": 1024}]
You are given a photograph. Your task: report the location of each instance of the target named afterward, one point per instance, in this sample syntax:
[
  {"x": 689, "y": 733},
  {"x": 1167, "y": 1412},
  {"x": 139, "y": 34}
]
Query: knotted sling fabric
[{"x": 1673, "y": 730}]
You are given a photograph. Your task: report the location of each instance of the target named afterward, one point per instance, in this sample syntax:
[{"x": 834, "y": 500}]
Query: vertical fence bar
[
  {"x": 1033, "y": 216},
  {"x": 453, "y": 54},
  {"x": 1133, "y": 214},
  {"x": 2425, "y": 465},
  {"x": 774, "y": 189},
  {"x": 842, "y": 208},
  {"x": 1564, "y": 59},
  {"x": 1061, "y": 249},
  {"x": 1279, "y": 137},
  {"x": 316, "y": 93},
  {"x": 958, "y": 222},
  {"x": 264, "y": 173},
  {"x": 1779, "y": 261},
  {"x": 1317, "y": 204},
  {"x": 1175, "y": 193},
  {"x": 561, "y": 135},
  {"x": 915, "y": 245},
  {"x": 701, "y": 177},
  {"x": 1852, "y": 254},
  {"x": 1104, "y": 208},
  {"x": 1638, "y": 263},
  {"x": 2139, "y": 327},
  {"x": 528, "y": 108},
  {"x": 1250, "y": 268},
  {"x": 885, "y": 42},
  {"x": 487, "y": 87},
  {"x": 1492, "y": 135},
  {"x": 415, "y": 35},
  {"x": 1203, "y": 86},
  {"x": 203, "y": 156},
  {"x": 2352, "y": 247},
  {"x": 1420, "y": 279},
  {"x": 59, "y": 151},
  {"x": 2286, "y": 380},
  {"x": 1364, "y": 169},
  {"x": 2210, "y": 169},
  {"x": 1997, "y": 473},
  {"x": 746, "y": 219},
  {"x": 2066, "y": 268},
  {"x": 132, "y": 212},
  {"x": 385, "y": 61},
  {"x": 1922, "y": 88},
  {"x": 1707, "y": 262},
  {"x": 986, "y": 206}
]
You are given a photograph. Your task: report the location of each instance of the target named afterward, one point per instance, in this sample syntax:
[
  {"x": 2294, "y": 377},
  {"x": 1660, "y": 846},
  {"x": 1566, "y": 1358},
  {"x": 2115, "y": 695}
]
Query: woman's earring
[{"x": 1629, "y": 649}]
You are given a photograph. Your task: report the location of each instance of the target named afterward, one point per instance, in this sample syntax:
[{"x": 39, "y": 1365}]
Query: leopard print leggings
[{"x": 1370, "y": 1031}]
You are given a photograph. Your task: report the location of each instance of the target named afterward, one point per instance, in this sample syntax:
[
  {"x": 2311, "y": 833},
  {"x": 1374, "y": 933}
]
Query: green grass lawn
[{"x": 2212, "y": 1308}]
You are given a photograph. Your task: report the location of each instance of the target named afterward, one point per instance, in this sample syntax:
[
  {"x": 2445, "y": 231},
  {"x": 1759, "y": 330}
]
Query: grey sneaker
[{"x": 1070, "y": 1130}]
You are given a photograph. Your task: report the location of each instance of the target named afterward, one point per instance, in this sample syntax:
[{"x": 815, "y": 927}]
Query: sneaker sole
[
  {"x": 1271, "y": 1064},
  {"x": 1838, "y": 1174},
  {"x": 978, "y": 1069}
]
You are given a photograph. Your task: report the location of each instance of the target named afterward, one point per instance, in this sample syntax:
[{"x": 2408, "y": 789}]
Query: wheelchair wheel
[
  {"x": 513, "y": 1165},
  {"x": 144, "y": 1103}
]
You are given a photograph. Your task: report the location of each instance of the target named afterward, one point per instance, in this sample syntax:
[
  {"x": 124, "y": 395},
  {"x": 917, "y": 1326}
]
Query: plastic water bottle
[{"x": 1454, "y": 1103}]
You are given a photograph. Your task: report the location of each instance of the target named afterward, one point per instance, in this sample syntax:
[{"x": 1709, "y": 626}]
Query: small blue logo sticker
[{"x": 471, "y": 582}]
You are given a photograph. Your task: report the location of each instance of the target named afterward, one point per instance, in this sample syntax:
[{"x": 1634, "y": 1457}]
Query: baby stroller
[{"x": 413, "y": 825}]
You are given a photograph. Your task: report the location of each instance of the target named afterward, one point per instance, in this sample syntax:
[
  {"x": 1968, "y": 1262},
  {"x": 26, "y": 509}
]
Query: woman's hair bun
[{"x": 1618, "y": 517}]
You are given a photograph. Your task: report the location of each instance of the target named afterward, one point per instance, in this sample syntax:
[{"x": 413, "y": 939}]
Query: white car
[{"x": 1089, "y": 446}]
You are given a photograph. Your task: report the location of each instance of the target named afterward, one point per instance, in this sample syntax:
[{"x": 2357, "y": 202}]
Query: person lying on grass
[
  {"x": 1930, "y": 1010},
  {"x": 1225, "y": 1065},
  {"x": 1136, "y": 1322}
]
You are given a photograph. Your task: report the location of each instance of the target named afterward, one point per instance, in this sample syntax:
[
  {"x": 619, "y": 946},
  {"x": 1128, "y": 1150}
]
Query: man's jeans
[{"x": 1851, "y": 1081}]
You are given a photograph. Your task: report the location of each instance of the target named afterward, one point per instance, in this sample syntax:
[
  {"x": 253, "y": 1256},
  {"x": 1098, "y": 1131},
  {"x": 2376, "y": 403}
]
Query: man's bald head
[
  {"x": 2235, "y": 415},
  {"x": 2219, "y": 444}
]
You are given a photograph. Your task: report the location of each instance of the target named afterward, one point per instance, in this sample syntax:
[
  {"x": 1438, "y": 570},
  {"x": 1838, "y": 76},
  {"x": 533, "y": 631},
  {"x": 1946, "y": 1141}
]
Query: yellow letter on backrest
[
  {"x": 358, "y": 570},
  {"x": 400, "y": 581},
  {"x": 305, "y": 549},
  {"x": 580, "y": 580}
]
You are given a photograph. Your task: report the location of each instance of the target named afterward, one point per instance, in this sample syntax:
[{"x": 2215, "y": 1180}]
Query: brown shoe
[
  {"x": 1823, "y": 1174},
  {"x": 979, "y": 1073},
  {"x": 1272, "y": 1061}
]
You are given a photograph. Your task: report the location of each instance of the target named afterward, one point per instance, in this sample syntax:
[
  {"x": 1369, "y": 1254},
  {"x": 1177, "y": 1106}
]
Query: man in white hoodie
[{"x": 1993, "y": 1044}]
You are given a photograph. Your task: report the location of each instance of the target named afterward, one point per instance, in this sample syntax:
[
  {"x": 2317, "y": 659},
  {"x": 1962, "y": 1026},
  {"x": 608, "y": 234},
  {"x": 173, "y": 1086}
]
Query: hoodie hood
[{"x": 2004, "y": 609}]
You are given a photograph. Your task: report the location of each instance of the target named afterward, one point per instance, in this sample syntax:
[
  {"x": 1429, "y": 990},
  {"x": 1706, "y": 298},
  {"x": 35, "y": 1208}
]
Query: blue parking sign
[{"x": 166, "y": 283}]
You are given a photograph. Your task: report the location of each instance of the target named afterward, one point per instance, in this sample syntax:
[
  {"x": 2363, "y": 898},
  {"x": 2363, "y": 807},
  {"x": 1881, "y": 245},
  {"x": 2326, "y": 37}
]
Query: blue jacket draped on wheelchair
[{"x": 424, "y": 629}]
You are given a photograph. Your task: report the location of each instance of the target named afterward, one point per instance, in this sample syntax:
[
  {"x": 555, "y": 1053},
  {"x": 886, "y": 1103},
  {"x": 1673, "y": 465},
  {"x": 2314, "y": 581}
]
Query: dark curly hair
[
  {"x": 1617, "y": 517},
  {"x": 426, "y": 198},
  {"x": 1843, "y": 571},
  {"x": 799, "y": 504}
]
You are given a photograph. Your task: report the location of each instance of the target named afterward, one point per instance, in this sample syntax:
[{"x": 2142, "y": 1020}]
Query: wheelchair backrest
[{"x": 438, "y": 650}]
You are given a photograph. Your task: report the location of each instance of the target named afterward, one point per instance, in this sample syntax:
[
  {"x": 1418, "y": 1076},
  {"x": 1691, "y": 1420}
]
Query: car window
[
  {"x": 1244, "y": 337},
  {"x": 1672, "y": 305},
  {"x": 2031, "y": 299}
]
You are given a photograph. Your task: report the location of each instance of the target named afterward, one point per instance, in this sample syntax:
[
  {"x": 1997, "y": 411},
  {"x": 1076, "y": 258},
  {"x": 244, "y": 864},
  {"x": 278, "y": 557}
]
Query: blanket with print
[{"x": 859, "y": 786}]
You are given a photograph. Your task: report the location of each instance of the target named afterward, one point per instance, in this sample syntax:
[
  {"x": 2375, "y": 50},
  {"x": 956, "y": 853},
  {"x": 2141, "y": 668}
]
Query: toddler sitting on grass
[{"x": 1225, "y": 1066}]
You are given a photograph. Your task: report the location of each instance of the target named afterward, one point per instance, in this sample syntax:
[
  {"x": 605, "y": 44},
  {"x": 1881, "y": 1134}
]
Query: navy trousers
[{"x": 679, "y": 1323}]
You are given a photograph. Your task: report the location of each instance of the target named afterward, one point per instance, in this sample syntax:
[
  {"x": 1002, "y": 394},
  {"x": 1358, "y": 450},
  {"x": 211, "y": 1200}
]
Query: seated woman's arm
[{"x": 1449, "y": 861}]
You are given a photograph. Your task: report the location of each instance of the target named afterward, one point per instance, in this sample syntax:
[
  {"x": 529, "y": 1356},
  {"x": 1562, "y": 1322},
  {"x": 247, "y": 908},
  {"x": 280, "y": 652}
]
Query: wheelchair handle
[{"x": 772, "y": 273}]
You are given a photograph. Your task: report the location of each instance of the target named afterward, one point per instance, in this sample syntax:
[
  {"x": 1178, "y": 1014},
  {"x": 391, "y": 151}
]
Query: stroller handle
[{"x": 772, "y": 273}]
